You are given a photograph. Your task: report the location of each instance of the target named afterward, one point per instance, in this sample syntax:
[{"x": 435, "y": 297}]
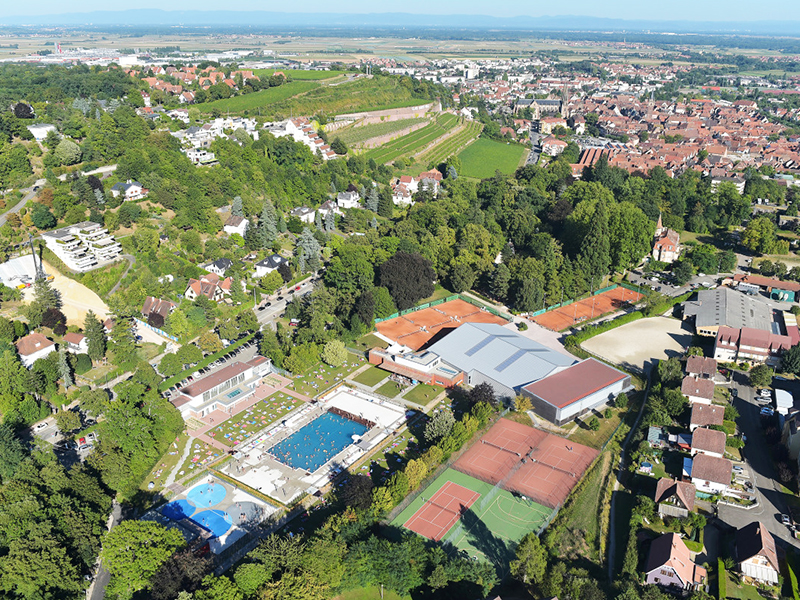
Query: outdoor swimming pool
[{"x": 317, "y": 442}]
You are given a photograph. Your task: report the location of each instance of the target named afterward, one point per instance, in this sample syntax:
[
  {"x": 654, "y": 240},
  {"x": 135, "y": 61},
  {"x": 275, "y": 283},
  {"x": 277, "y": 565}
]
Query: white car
[{"x": 40, "y": 426}]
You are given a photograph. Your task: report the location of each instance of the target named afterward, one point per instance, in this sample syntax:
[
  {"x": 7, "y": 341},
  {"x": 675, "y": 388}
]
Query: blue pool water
[
  {"x": 316, "y": 443},
  {"x": 206, "y": 495},
  {"x": 216, "y": 521},
  {"x": 177, "y": 510}
]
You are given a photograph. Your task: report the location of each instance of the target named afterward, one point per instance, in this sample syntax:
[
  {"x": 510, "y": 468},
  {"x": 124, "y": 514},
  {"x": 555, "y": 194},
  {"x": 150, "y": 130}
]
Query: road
[
  {"x": 100, "y": 171},
  {"x": 278, "y": 306},
  {"x": 97, "y": 590},
  {"x": 772, "y": 501}
]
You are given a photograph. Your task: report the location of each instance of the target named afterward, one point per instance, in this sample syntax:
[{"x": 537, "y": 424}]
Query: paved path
[
  {"x": 28, "y": 196},
  {"x": 131, "y": 261},
  {"x": 97, "y": 590}
]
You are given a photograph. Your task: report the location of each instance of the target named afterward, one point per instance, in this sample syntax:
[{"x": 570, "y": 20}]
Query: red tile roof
[{"x": 575, "y": 382}]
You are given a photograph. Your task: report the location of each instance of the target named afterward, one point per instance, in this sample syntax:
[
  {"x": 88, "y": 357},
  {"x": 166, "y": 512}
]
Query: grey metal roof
[
  {"x": 499, "y": 353},
  {"x": 724, "y": 306}
]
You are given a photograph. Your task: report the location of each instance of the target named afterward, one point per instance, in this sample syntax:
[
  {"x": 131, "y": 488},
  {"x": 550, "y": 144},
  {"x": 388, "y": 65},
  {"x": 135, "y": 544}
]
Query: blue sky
[{"x": 684, "y": 10}]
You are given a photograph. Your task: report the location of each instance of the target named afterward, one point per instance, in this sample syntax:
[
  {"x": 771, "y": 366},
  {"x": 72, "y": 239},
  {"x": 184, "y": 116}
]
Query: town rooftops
[
  {"x": 711, "y": 468},
  {"x": 767, "y": 282},
  {"x": 669, "y": 550},
  {"x": 700, "y": 388},
  {"x": 701, "y": 365},
  {"x": 709, "y": 440},
  {"x": 755, "y": 540},
  {"x": 272, "y": 262},
  {"x": 667, "y": 488},
  {"x": 157, "y": 305},
  {"x": 32, "y": 343},
  {"x": 575, "y": 382},
  {"x": 707, "y": 414}
]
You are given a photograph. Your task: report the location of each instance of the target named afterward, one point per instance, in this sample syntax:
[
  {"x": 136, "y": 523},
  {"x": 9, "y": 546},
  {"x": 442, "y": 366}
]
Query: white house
[
  {"x": 83, "y": 246},
  {"x": 755, "y": 553},
  {"x": 269, "y": 264},
  {"x": 32, "y": 347},
  {"x": 698, "y": 390},
  {"x": 200, "y": 156},
  {"x": 350, "y": 199},
  {"x": 76, "y": 343},
  {"x": 401, "y": 196},
  {"x": 130, "y": 190},
  {"x": 411, "y": 183},
  {"x": 236, "y": 224},
  {"x": 670, "y": 565},
  {"x": 219, "y": 266},
  {"x": 305, "y": 214},
  {"x": 327, "y": 207},
  {"x": 710, "y": 474}
]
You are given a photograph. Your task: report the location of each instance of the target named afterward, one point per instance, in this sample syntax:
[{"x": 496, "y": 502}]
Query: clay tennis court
[
  {"x": 528, "y": 461},
  {"x": 416, "y": 329},
  {"x": 439, "y": 513},
  {"x": 587, "y": 309}
]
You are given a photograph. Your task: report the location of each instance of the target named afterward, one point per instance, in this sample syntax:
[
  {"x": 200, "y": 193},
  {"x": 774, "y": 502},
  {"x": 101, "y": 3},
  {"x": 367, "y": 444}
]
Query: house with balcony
[
  {"x": 83, "y": 246},
  {"x": 756, "y": 553},
  {"x": 130, "y": 190},
  {"x": 674, "y": 498},
  {"x": 76, "y": 343},
  {"x": 670, "y": 565}
]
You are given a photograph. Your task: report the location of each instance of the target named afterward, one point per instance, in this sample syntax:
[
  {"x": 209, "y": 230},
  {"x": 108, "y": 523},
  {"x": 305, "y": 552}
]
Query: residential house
[
  {"x": 430, "y": 181},
  {"x": 674, "y": 498},
  {"x": 704, "y": 415},
  {"x": 200, "y": 156},
  {"x": 666, "y": 243},
  {"x": 708, "y": 441},
  {"x": 401, "y": 196},
  {"x": 348, "y": 199},
  {"x": 756, "y": 554},
  {"x": 697, "y": 390},
  {"x": 211, "y": 286},
  {"x": 548, "y": 124},
  {"x": 32, "y": 347},
  {"x": 701, "y": 367},
  {"x": 305, "y": 214},
  {"x": 83, "y": 246},
  {"x": 669, "y": 564},
  {"x": 76, "y": 343},
  {"x": 748, "y": 344},
  {"x": 411, "y": 183},
  {"x": 236, "y": 224},
  {"x": 552, "y": 146},
  {"x": 40, "y": 132},
  {"x": 269, "y": 264},
  {"x": 130, "y": 190},
  {"x": 711, "y": 474},
  {"x": 219, "y": 266},
  {"x": 156, "y": 310},
  {"x": 790, "y": 436},
  {"x": 327, "y": 207}
]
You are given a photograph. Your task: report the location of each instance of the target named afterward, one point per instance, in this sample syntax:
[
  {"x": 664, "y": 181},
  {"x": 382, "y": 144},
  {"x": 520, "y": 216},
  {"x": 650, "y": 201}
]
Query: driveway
[{"x": 772, "y": 501}]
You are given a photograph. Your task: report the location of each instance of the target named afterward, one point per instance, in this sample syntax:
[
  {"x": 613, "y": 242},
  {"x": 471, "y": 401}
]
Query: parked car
[
  {"x": 262, "y": 307},
  {"x": 40, "y": 426},
  {"x": 268, "y": 304},
  {"x": 767, "y": 411},
  {"x": 786, "y": 520},
  {"x": 84, "y": 447}
]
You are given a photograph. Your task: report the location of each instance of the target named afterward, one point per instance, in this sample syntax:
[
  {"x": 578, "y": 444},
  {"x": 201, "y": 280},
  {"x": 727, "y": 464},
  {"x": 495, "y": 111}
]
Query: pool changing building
[{"x": 222, "y": 390}]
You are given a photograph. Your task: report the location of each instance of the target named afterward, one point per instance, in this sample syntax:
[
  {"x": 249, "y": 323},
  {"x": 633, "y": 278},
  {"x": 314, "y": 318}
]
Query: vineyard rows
[
  {"x": 413, "y": 142},
  {"x": 356, "y": 135},
  {"x": 452, "y": 145}
]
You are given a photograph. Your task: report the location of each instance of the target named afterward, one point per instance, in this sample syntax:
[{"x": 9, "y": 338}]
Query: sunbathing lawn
[
  {"x": 250, "y": 421},
  {"x": 200, "y": 455},
  {"x": 371, "y": 376},
  {"x": 370, "y": 341},
  {"x": 389, "y": 459},
  {"x": 323, "y": 376},
  {"x": 164, "y": 466},
  {"x": 423, "y": 393},
  {"x": 371, "y": 593},
  {"x": 390, "y": 389}
]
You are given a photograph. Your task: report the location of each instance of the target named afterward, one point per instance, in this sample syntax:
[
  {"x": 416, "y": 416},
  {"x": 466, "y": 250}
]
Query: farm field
[
  {"x": 355, "y": 96},
  {"x": 482, "y": 158},
  {"x": 356, "y": 135},
  {"x": 262, "y": 99},
  {"x": 298, "y": 74},
  {"x": 452, "y": 145},
  {"x": 413, "y": 142}
]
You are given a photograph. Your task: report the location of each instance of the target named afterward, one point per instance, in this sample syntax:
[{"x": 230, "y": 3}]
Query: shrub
[
  {"x": 522, "y": 326},
  {"x": 722, "y": 580},
  {"x": 82, "y": 363},
  {"x": 621, "y": 401},
  {"x": 594, "y": 424}
]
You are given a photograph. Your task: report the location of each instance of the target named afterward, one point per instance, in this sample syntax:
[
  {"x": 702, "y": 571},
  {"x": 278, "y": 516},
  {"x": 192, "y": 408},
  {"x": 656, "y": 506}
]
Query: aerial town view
[{"x": 405, "y": 301}]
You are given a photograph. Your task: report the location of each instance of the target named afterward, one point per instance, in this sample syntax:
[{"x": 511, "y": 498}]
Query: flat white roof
[
  {"x": 784, "y": 399},
  {"x": 385, "y": 414}
]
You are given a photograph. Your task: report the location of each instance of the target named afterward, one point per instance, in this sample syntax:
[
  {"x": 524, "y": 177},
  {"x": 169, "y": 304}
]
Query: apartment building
[{"x": 83, "y": 246}]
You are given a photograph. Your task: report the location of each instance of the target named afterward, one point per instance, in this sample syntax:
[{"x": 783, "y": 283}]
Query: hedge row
[{"x": 722, "y": 580}]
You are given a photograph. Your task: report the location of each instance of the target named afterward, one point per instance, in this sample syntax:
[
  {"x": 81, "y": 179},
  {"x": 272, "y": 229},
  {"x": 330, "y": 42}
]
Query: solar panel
[
  {"x": 482, "y": 344},
  {"x": 510, "y": 360}
]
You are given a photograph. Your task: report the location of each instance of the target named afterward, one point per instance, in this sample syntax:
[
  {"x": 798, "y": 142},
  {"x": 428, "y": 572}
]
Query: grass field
[
  {"x": 323, "y": 376},
  {"x": 370, "y": 341},
  {"x": 371, "y": 376},
  {"x": 371, "y": 593},
  {"x": 390, "y": 389},
  {"x": 299, "y": 74},
  {"x": 422, "y": 393},
  {"x": 491, "y": 527},
  {"x": 356, "y": 135},
  {"x": 241, "y": 426},
  {"x": 264, "y": 98},
  {"x": 413, "y": 142},
  {"x": 452, "y": 145},
  {"x": 482, "y": 158}
]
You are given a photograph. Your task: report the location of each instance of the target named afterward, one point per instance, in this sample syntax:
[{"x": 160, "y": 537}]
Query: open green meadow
[
  {"x": 356, "y": 135},
  {"x": 413, "y": 142},
  {"x": 260, "y": 100},
  {"x": 492, "y": 526},
  {"x": 482, "y": 158},
  {"x": 298, "y": 74}
]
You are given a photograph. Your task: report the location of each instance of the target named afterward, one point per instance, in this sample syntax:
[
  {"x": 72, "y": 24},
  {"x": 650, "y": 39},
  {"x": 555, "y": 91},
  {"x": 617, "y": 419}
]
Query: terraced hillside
[
  {"x": 252, "y": 103},
  {"x": 352, "y": 136},
  {"x": 451, "y": 145},
  {"x": 414, "y": 142}
]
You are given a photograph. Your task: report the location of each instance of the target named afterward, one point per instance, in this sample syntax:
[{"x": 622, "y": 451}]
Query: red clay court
[
  {"x": 587, "y": 309},
  {"x": 439, "y": 513},
  {"x": 418, "y": 328},
  {"x": 552, "y": 465}
]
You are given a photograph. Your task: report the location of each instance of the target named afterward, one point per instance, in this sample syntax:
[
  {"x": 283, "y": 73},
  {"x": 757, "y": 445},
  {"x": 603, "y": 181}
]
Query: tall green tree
[
  {"x": 530, "y": 563},
  {"x": 595, "y": 256}
]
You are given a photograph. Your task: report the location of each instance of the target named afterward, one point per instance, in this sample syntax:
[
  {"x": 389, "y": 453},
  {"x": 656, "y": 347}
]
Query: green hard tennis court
[{"x": 490, "y": 529}]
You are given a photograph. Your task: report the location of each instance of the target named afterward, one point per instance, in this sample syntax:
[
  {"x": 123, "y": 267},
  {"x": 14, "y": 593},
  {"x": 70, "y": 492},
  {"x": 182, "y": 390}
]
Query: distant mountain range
[{"x": 264, "y": 19}]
